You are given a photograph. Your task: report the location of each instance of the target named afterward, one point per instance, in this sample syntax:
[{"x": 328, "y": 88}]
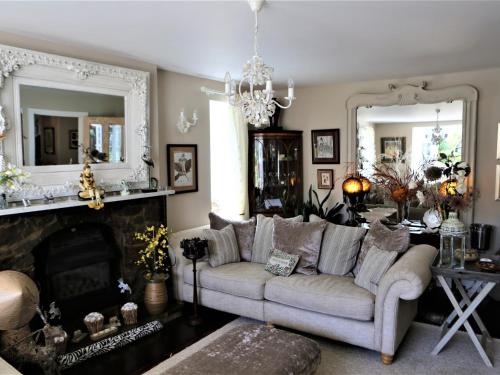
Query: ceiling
[
  {"x": 411, "y": 113},
  {"x": 314, "y": 42}
]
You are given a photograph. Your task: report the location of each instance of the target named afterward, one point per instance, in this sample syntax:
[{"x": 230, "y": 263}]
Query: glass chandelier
[
  {"x": 257, "y": 103},
  {"x": 437, "y": 136}
]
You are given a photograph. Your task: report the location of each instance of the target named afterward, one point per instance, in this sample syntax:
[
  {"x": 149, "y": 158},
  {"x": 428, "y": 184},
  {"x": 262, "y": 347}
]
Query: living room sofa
[{"x": 325, "y": 305}]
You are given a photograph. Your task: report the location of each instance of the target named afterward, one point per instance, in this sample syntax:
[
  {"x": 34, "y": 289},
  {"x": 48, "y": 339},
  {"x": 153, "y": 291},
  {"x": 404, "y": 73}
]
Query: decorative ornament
[{"x": 88, "y": 189}]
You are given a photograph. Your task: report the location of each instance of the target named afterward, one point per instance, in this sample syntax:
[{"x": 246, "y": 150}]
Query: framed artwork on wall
[
  {"x": 325, "y": 178},
  {"x": 497, "y": 183},
  {"x": 325, "y": 146},
  {"x": 49, "y": 141},
  {"x": 391, "y": 148},
  {"x": 73, "y": 139},
  {"x": 182, "y": 162}
]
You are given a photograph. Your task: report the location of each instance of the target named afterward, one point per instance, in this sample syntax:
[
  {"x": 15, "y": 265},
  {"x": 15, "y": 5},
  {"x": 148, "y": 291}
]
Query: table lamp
[{"x": 353, "y": 190}]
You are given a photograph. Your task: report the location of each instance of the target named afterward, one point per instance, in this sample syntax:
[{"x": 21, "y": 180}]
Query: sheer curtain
[{"x": 228, "y": 160}]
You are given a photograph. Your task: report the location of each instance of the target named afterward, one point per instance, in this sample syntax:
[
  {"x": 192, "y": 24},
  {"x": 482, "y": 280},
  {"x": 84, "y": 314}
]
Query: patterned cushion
[
  {"x": 281, "y": 263},
  {"x": 302, "y": 239},
  {"x": 339, "y": 248},
  {"x": 375, "y": 265},
  {"x": 384, "y": 238},
  {"x": 263, "y": 242},
  {"x": 244, "y": 231},
  {"x": 222, "y": 246}
]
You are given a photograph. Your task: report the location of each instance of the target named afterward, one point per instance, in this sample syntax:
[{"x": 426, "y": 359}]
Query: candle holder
[{"x": 194, "y": 249}]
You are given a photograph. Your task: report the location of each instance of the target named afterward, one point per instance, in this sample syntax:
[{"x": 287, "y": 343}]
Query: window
[{"x": 228, "y": 160}]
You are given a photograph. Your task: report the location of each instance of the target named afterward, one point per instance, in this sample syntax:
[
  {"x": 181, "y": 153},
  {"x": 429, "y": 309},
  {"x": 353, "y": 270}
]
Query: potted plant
[{"x": 155, "y": 264}]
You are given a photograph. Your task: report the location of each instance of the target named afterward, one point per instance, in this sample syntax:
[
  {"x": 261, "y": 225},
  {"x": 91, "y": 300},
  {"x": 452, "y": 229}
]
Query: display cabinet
[{"x": 275, "y": 172}]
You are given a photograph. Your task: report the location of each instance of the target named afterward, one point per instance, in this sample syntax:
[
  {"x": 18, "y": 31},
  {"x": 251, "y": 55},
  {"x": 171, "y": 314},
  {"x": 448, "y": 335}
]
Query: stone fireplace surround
[{"x": 21, "y": 233}]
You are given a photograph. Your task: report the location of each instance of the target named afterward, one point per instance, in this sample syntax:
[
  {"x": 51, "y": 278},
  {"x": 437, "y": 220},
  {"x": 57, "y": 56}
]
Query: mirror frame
[
  {"x": 22, "y": 66},
  {"x": 414, "y": 94}
]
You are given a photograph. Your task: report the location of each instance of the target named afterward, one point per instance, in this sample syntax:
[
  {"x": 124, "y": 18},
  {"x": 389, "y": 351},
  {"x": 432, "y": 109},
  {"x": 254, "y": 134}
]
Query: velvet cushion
[
  {"x": 222, "y": 246},
  {"x": 244, "y": 231},
  {"x": 303, "y": 239},
  {"x": 376, "y": 264},
  {"x": 384, "y": 238},
  {"x": 263, "y": 242}
]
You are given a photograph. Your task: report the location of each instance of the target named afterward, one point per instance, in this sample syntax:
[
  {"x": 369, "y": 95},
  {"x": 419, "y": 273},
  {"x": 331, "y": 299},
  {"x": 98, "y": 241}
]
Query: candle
[{"x": 290, "y": 88}]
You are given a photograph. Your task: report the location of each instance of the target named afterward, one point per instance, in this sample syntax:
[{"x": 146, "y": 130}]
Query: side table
[{"x": 483, "y": 283}]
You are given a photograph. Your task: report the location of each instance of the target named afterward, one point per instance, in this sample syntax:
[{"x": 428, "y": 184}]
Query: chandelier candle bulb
[{"x": 290, "y": 88}]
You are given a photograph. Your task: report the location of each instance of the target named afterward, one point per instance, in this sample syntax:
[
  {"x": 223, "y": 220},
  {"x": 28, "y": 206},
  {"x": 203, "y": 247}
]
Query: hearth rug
[
  {"x": 413, "y": 357},
  {"x": 106, "y": 345}
]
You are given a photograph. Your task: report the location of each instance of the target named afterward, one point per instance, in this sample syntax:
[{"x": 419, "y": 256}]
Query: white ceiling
[
  {"x": 315, "y": 42},
  {"x": 411, "y": 113}
]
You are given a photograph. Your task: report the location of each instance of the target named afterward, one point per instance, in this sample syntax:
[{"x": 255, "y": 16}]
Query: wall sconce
[{"x": 183, "y": 124}]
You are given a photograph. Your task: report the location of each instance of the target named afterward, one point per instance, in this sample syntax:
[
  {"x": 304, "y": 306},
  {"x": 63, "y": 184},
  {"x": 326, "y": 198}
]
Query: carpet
[{"x": 412, "y": 358}]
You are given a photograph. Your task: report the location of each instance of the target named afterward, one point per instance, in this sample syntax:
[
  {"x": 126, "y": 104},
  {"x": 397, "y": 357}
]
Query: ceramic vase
[{"x": 155, "y": 296}]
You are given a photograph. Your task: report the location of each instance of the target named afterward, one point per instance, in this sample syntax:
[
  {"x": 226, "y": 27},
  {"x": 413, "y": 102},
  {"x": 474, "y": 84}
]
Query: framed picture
[
  {"x": 325, "y": 146},
  {"x": 325, "y": 178},
  {"x": 392, "y": 147},
  {"x": 73, "y": 139},
  {"x": 182, "y": 161},
  {"x": 49, "y": 140}
]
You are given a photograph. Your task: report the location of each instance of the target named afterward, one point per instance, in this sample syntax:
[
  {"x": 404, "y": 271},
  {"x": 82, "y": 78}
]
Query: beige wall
[
  {"x": 320, "y": 107},
  {"x": 177, "y": 91}
]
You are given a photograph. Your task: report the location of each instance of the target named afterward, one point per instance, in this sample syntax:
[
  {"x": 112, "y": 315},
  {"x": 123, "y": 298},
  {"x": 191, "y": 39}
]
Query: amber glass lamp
[
  {"x": 353, "y": 190},
  {"x": 366, "y": 184},
  {"x": 448, "y": 188}
]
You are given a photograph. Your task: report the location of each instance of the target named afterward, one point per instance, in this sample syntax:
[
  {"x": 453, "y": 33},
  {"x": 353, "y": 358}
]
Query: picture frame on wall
[
  {"x": 497, "y": 183},
  {"x": 392, "y": 148},
  {"x": 325, "y": 178},
  {"x": 49, "y": 140},
  {"x": 73, "y": 139},
  {"x": 325, "y": 146},
  {"x": 182, "y": 162}
]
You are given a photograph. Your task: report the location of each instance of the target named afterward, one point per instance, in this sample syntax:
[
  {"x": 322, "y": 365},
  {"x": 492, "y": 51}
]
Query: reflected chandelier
[
  {"x": 257, "y": 104},
  {"x": 437, "y": 136}
]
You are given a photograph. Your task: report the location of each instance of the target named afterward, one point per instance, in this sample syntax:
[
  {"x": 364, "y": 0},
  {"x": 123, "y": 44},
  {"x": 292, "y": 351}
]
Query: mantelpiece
[
  {"x": 26, "y": 67},
  {"x": 17, "y": 208}
]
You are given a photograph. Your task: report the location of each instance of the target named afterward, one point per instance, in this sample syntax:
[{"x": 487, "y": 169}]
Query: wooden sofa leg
[
  {"x": 269, "y": 325},
  {"x": 386, "y": 358}
]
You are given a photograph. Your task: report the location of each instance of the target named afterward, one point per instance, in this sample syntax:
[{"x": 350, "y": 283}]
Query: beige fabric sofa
[{"x": 324, "y": 305}]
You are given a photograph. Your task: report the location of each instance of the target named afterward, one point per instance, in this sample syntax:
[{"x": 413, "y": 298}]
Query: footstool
[{"x": 253, "y": 349}]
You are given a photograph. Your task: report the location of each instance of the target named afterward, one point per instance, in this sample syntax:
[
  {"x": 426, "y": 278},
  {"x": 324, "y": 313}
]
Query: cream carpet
[{"x": 413, "y": 357}]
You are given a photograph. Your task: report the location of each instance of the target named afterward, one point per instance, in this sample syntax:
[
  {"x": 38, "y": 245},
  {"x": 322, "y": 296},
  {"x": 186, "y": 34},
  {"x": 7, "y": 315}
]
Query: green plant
[{"x": 333, "y": 215}]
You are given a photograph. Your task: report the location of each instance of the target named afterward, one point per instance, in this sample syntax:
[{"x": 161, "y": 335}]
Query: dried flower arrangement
[{"x": 153, "y": 259}]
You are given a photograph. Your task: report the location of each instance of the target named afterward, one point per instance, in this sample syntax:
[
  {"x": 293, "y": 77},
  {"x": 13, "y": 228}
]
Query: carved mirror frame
[
  {"x": 415, "y": 94},
  {"x": 22, "y": 66}
]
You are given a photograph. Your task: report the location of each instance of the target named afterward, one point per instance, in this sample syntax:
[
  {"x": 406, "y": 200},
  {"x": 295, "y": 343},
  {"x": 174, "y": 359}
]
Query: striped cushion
[
  {"x": 375, "y": 265},
  {"x": 222, "y": 246},
  {"x": 263, "y": 241},
  {"x": 339, "y": 248}
]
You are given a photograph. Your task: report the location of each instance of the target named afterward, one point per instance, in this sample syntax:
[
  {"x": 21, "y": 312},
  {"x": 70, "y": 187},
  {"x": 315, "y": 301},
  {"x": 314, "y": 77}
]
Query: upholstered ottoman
[{"x": 253, "y": 349}]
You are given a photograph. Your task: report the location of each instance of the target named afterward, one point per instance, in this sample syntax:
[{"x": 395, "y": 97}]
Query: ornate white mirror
[
  {"x": 413, "y": 121},
  {"x": 52, "y": 105}
]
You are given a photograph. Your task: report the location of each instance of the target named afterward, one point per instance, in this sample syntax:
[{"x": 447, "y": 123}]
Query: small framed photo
[
  {"x": 325, "y": 145},
  {"x": 392, "y": 148},
  {"x": 182, "y": 161},
  {"x": 73, "y": 139},
  {"x": 325, "y": 178},
  {"x": 49, "y": 140}
]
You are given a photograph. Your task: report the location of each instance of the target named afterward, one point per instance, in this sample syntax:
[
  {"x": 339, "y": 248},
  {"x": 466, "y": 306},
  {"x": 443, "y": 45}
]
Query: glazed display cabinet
[{"x": 275, "y": 172}]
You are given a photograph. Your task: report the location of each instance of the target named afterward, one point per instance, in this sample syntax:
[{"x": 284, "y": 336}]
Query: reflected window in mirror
[{"x": 56, "y": 122}]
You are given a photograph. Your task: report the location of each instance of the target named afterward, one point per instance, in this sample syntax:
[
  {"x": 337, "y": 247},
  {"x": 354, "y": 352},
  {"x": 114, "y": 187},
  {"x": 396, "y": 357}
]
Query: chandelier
[
  {"x": 437, "y": 132},
  {"x": 257, "y": 103}
]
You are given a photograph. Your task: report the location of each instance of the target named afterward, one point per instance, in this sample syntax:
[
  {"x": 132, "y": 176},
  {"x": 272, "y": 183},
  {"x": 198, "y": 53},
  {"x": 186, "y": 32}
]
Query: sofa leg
[
  {"x": 386, "y": 358},
  {"x": 269, "y": 325}
]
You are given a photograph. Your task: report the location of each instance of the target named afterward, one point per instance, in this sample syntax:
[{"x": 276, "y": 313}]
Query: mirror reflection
[
  {"x": 419, "y": 132},
  {"x": 56, "y": 122}
]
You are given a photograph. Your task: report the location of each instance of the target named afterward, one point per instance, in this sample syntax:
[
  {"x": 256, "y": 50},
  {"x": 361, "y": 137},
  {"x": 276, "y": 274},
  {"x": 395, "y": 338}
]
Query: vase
[
  {"x": 155, "y": 296},
  {"x": 452, "y": 224},
  {"x": 403, "y": 211}
]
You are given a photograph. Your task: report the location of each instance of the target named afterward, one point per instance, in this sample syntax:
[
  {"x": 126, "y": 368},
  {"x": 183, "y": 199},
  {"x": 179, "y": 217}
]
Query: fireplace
[{"x": 78, "y": 267}]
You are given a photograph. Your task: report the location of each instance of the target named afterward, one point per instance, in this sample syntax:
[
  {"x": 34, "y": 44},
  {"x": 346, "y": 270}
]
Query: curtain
[{"x": 228, "y": 160}]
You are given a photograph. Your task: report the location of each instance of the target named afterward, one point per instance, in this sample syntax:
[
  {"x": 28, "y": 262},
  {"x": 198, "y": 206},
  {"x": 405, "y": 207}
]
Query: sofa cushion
[
  {"x": 222, "y": 246},
  {"x": 242, "y": 279},
  {"x": 339, "y": 248},
  {"x": 303, "y": 239},
  {"x": 385, "y": 239},
  {"x": 244, "y": 231},
  {"x": 375, "y": 265},
  {"x": 327, "y": 294},
  {"x": 281, "y": 263},
  {"x": 263, "y": 241}
]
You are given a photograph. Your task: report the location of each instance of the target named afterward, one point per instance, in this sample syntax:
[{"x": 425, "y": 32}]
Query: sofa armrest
[
  {"x": 406, "y": 279},
  {"x": 178, "y": 260}
]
